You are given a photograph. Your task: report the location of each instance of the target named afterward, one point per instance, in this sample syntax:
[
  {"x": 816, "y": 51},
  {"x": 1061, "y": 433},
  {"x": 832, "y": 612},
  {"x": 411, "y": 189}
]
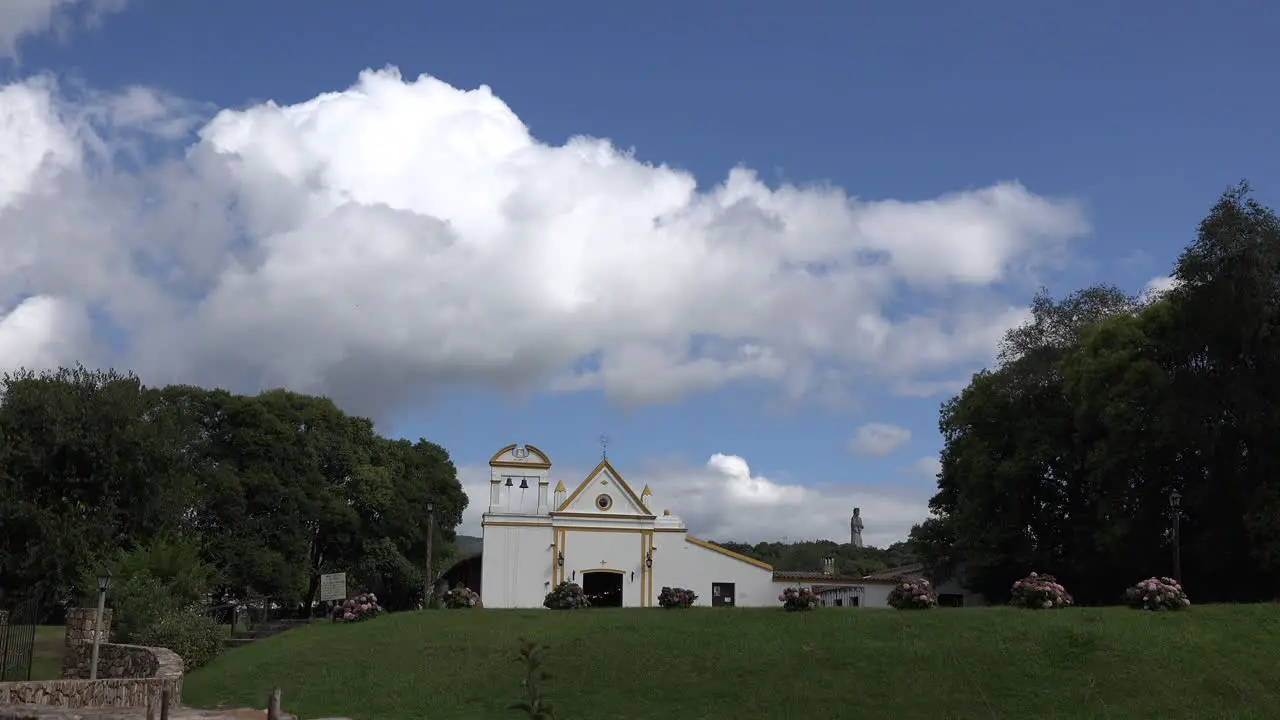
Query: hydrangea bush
[
  {"x": 913, "y": 595},
  {"x": 461, "y": 598},
  {"x": 794, "y": 599},
  {"x": 566, "y": 596},
  {"x": 1157, "y": 593},
  {"x": 676, "y": 597},
  {"x": 360, "y": 607},
  {"x": 1038, "y": 591}
]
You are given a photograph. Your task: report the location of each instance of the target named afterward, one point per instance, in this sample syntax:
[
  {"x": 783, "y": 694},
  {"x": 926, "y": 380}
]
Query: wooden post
[
  {"x": 273, "y": 705},
  {"x": 151, "y": 710},
  {"x": 164, "y": 704},
  {"x": 427, "y": 585}
]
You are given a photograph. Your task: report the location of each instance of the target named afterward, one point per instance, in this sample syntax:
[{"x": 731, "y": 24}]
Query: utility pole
[{"x": 431, "y": 531}]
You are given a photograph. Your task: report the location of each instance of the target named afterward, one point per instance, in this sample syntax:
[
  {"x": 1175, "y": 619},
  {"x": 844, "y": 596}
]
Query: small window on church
[{"x": 604, "y": 502}]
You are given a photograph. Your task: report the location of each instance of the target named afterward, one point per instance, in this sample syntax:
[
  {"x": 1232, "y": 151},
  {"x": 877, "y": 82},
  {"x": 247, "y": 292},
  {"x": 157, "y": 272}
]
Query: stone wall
[{"x": 128, "y": 675}]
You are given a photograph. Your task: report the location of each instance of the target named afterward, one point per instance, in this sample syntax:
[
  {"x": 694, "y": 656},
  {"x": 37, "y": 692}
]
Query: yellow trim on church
[
  {"x": 541, "y": 463},
  {"x": 560, "y": 486},
  {"x": 592, "y": 476},
  {"x": 728, "y": 553}
]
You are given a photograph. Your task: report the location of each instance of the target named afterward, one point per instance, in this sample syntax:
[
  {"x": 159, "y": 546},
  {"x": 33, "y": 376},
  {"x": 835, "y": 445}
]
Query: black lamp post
[
  {"x": 104, "y": 584},
  {"x": 431, "y": 531},
  {"x": 1175, "y": 505}
]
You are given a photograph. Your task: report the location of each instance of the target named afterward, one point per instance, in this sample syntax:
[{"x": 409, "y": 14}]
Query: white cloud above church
[
  {"x": 403, "y": 235},
  {"x": 723, "y": 500}
]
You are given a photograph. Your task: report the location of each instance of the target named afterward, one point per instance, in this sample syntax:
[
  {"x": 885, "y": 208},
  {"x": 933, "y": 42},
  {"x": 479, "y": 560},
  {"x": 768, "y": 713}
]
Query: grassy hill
[{"x": 1209, "y": 662}]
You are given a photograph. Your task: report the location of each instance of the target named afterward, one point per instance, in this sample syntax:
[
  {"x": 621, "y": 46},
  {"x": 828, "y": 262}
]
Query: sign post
[{"x": 333, "y": 587}]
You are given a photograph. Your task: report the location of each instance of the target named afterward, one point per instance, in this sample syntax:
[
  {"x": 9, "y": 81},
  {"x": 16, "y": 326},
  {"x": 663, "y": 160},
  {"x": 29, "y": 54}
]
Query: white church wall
[
  {"x": 612, "y": 550},
  {"x": 678, "y": 562},
  {"x": 516, "y": 569}
]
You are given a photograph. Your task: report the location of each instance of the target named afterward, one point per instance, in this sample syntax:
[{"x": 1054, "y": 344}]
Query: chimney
[{"x": 542, "y": 495}]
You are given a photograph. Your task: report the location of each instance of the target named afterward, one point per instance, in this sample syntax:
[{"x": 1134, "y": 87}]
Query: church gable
[
  {"x": 515, "y": 456},
  {"x": 604, "y": 492}
]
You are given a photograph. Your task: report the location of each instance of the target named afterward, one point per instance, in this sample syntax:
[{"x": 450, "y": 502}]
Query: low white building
[{"x": 609, "y": 539}]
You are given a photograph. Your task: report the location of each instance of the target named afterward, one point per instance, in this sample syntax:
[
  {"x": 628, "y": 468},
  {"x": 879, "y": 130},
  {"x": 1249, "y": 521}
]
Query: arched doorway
[{"x": 603, "y": 587}]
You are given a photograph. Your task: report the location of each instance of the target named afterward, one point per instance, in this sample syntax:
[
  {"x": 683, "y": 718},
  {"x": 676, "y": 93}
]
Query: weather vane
[{"x": 604, "y": 447}]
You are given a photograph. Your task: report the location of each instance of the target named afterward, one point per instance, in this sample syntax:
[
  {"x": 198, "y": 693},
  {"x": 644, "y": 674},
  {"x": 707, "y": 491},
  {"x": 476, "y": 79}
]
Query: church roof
[{"x": 601, "y": 467}]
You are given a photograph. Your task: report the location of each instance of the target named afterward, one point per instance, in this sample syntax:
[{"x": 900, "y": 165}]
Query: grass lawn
[
  {"x": 46, "y": 654},
  {"x": 1210, "y": 662}
]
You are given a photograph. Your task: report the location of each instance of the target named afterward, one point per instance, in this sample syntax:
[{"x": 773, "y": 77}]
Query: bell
[
  {"x": 509, "y": 483},
  {"x": 524, "y": 483}
]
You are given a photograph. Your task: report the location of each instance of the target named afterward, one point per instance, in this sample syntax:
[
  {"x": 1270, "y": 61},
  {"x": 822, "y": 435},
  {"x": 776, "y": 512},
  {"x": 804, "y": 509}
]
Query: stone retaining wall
[{"x": 128, "y": 675}]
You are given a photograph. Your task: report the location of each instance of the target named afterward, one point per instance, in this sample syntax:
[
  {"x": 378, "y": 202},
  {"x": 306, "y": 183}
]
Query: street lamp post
[
  {"x": 1175, "y": 505},
  {"x": 104, "y": 582},
  {"x": 431, "y": 531}
]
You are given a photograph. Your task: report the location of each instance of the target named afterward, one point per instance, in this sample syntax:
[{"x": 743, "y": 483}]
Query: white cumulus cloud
[
  {"x": 402, "y": 235},
  {"x": 24, "y": 18},
  {"x": 723, "y": 500},
  {"x": 878, "y": 439}
]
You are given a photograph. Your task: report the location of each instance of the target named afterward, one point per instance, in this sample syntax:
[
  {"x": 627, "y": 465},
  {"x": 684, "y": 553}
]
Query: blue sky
[{"x": 1121, "y": 121}]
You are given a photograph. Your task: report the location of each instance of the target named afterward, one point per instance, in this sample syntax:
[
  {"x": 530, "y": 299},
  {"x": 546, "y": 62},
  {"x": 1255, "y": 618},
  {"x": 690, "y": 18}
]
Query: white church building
[{"x": 618, "y": 545}]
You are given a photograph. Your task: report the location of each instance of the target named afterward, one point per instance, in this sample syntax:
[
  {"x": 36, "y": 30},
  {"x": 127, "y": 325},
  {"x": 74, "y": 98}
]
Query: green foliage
[
  {"x": 566, "y": 596},
  {"x": 1064, "y": 455},
  {"x": 197, "y": 639},
  {"x": 161, "y": 578},
  {"x": 533, "y": 706},
  {"x": 850, "y": 560},
  {"x": 270, "y": 491}
]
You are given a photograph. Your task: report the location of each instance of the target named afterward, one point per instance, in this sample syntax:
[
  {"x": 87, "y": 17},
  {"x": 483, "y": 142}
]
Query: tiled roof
[
  {"x": 896, "y": 572},
  {"x": 810, "y": 576}
]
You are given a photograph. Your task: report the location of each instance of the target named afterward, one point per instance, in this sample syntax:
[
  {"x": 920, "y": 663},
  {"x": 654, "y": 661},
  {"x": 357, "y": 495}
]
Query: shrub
[
  {"x": 151, "y": 581},
  {"x": 1039, "y": 592},
  {"x": 676, "y": 597},
  {"x": 566, "y": 596},
  {"x": 794, "y": 599},
  {"x": 360, "y": 607},
  {"x": 913, "y": 595},
  {"x": 460, "y": 598},
  {"x": 1157, "y": 593},
  {"x": 197, "y": 639}
]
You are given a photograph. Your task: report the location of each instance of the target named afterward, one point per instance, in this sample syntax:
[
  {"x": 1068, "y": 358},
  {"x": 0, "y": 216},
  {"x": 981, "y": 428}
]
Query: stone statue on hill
[{"x": 855, "y": 528}]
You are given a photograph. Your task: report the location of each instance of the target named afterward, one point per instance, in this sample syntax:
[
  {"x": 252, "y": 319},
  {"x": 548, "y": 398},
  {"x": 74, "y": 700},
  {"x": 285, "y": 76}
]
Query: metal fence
[{"x": 18, "y": 639}]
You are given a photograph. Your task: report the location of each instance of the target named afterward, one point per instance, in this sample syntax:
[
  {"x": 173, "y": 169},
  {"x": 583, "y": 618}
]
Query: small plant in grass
[
  {"x": 1039, "y": 592},
  {"x": 460, "y": 598},
  {"x": 1157, "y": 593},
  {"x": 360, "y": 607},
  {"x": 676, "y": 597},
  {"x": 913, "y": 595},
  {"x": 533, "y": 705},
  {"x": 566, "y": 596},
  {"x": 795, "y": 599}
]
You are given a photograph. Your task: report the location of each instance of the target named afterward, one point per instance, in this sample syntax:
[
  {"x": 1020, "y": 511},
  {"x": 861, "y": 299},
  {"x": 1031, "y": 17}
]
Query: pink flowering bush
[
  {"x": 566, "y": 596},
  {"x": 1157, "y": 593},
  {"x": 1040, "y": 592},
  {"x": 360, "y": 607},
  {"x": 461, "y": 598},
  {"x": 913, "y": 595},
  {"x": 794, "y": 599},
  {"x": 676, "y": 597}
]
